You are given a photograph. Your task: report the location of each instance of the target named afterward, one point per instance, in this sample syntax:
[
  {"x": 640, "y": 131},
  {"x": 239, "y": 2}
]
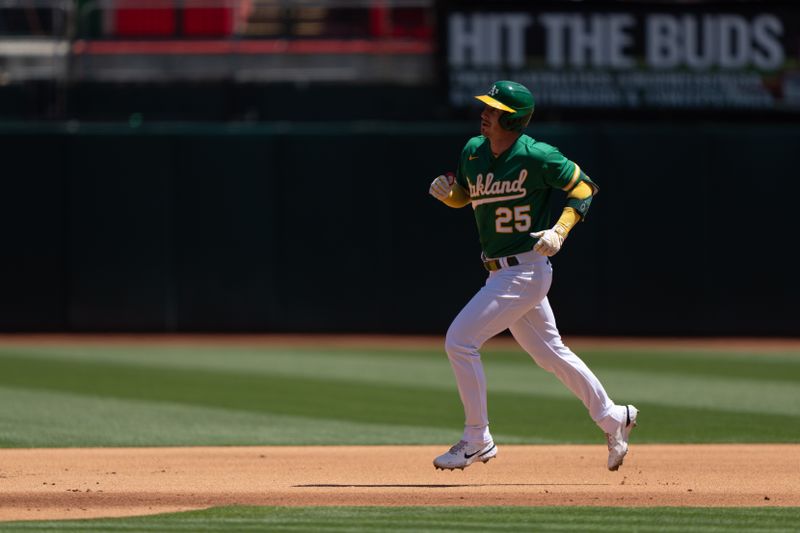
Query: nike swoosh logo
[
  {"x": 469, "y": 455},
  {"x": 472, "y": 157}
]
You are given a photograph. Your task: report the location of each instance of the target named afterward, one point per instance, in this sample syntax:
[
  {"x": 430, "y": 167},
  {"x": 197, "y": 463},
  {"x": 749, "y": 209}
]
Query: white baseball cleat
[
  {"x": 464, "y": 454},
  {"x": 618, "y": 441}
]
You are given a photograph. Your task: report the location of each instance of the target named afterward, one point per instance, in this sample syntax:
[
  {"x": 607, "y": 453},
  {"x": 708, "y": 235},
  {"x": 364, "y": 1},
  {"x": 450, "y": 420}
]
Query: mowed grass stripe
[
  {"x": 506, "y": 373},
  {"x": 534, "y": 418},
  {"x": 39, "y": 418},
  {"x": 398, "y": 369},
  {"x": 714, "y": 364},
  {"x": 770, "y": 367},
  {"x": 732, "y": 395},
  {"x": 317, "y": 398},
  {"x": 422, "y": 519}
]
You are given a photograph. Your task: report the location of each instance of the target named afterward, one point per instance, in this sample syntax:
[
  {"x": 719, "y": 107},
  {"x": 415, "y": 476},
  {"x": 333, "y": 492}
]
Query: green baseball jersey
[{"x": 510, "y": 194}]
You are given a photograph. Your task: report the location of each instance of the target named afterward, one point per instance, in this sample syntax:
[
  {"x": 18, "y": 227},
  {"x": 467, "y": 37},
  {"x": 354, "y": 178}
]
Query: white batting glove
[
  {"x": 549, "y": 242},
  {"x": 441, "y": 186}
]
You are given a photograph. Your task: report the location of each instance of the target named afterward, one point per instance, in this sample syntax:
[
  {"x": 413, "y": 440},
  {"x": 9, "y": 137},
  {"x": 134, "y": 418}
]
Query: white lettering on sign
[
  {"x": 487, "y": 39},
  {"x": 608, "y": 40},
  {"x": 594, "y": 41},
  {"x": 619, "y": 39},
  {"x": 700, "y": 45},
  {"x": 768, "y": 51},
  {"x": 734, "y": 41},
  {"x": 662, "y": 41},
  {"x": 722, "y": 41}
]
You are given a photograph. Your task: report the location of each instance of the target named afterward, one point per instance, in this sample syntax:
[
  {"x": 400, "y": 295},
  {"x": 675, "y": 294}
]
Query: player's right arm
[{"x": 562, "y": 173}]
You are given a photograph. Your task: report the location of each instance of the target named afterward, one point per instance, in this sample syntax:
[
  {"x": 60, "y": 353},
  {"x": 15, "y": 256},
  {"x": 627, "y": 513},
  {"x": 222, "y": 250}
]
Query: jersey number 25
[{"x": 506, "y": 220}]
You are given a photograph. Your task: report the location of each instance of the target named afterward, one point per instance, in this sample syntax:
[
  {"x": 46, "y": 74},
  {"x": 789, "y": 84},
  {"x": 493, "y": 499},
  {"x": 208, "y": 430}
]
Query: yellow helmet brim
[{"x": 488, "y": 100}]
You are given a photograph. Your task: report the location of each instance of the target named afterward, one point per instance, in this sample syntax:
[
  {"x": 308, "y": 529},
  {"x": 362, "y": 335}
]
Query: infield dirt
[{"x": 104, "y": 482}]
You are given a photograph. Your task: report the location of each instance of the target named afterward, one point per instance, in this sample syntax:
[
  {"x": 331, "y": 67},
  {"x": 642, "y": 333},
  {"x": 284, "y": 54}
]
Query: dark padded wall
[
  {"x": 329, "y": 227},
  {"x": 119, "y": 236},
  {"x": 34, "y": 260}
]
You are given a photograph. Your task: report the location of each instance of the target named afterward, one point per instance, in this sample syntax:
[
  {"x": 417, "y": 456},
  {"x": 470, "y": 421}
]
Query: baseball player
[{"x": 508, "y": 178}]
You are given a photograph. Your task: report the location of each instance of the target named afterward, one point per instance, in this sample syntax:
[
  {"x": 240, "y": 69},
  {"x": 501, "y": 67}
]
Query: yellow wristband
[{"x": 569, "y": 217}]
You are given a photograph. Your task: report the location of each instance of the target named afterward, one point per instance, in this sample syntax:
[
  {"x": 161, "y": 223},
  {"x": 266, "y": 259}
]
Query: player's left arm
[
  {"x": 458, "y": 197},
  {"x": 580, "y": 192},
  {"x": 445, "y": 189},
  {"x": 449, "y": 188}
]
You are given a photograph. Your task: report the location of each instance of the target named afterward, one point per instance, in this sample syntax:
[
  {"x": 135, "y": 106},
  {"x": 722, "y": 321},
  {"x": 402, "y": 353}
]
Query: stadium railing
[
  {"x": 34, "y": 39},
  {"x": 138, "y": 40}
]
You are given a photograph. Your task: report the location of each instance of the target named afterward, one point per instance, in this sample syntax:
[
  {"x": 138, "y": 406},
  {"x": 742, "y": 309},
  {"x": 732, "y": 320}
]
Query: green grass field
[
  {"x": 73, "y": 396},
  {"x": 422, "y": 519}
]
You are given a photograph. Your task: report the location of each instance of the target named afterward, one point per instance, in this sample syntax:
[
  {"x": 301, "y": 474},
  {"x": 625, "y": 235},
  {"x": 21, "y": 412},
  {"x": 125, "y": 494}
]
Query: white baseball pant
[{"x": 515, "y": 297}]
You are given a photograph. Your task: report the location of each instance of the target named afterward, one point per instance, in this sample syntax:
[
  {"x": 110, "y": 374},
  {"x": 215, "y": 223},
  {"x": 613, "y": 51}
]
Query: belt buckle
[
  {"x": 500, "y": 263},
  {"x": 493, "y": 265}
]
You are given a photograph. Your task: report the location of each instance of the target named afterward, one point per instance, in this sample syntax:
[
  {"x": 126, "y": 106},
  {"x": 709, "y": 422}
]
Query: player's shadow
[{"x": 447, "y": 486}]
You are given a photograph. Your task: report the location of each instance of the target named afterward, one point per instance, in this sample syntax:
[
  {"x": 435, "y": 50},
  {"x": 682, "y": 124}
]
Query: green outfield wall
[{"x": 329, "y": 227}]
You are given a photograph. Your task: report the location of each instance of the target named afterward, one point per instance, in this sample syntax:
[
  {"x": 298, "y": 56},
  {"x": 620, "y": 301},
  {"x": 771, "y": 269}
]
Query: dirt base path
[{"x": 84, "y": 483}]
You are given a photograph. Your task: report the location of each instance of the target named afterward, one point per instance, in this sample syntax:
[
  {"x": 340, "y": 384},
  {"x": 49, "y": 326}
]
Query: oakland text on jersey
[{"x": 485, "y": 192}]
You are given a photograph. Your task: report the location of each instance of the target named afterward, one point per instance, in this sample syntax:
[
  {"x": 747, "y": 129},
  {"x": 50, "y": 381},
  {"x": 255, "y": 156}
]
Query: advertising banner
[{"x": 627, "y": 55}]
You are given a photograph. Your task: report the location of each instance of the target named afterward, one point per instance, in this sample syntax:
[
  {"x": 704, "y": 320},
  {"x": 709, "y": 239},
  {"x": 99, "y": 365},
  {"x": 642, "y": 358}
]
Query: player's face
[{"x": 490, "y": 121}]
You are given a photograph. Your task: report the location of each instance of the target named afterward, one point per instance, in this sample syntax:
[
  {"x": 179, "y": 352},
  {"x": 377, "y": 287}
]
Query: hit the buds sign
[{"x": 628, "y": 55}]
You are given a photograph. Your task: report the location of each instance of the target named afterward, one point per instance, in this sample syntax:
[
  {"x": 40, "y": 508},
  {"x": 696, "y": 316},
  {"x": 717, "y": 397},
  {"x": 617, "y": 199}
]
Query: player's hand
[
  {"x": 549, "y": 242},
  {"x": 442, "y": 185}
]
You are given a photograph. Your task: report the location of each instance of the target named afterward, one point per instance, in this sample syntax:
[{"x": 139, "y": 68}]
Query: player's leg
[
  {"x": 537, "y": 333},
  {"x": 502, "y": 301}
]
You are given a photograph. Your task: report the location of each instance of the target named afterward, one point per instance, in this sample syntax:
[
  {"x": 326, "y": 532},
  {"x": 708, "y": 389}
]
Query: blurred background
[{"x": 263, "y": 165}]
